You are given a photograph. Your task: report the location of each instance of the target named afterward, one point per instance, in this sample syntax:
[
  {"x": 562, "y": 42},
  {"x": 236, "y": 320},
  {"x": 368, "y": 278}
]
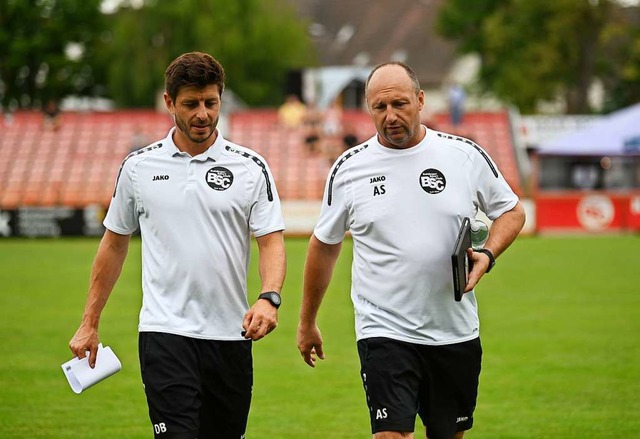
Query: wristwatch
[
  {"x": 273, "y": 297},
  {"x": 492, "y": 260}
]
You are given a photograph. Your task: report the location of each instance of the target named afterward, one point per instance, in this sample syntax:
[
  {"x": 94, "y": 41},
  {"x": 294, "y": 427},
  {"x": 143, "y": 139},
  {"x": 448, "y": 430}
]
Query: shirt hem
[
  {"x": 504, "y": 210},
  {"x": 420, "y": 341},
  {"x": 118, "y": 230},
  {"x": 279, "y": 228},
  {"x": 191, "y": 334},
  {"x": 326, "y": 240}
]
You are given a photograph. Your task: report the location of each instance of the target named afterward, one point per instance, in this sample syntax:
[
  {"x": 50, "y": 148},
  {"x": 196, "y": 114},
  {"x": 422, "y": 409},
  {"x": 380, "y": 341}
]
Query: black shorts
[
  {"x": 196, "y": 388},
  {"x": 439, "y": 383}
]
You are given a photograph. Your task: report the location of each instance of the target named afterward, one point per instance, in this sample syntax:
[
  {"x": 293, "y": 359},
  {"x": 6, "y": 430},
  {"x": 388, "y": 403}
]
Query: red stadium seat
[{"x": 77, "y": 164}]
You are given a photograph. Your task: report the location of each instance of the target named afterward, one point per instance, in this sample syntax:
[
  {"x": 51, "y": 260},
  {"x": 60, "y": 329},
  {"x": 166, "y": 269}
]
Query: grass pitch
[{"x": 560, "y": 329}]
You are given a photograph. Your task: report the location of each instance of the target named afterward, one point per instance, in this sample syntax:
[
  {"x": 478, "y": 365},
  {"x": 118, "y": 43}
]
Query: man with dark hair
[
  {"x": 402, "y": 195},
  {"x": 196, "y": 198}
]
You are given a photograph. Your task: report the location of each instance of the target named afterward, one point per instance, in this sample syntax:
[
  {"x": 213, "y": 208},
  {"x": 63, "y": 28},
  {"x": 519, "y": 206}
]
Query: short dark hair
[
  {"x": 193, "y": 69},
  {"x": 412, "y": 75}
]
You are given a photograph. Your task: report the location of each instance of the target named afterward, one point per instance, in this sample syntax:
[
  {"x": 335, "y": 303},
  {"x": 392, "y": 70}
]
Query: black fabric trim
[
  {"x": 476, "y": 146},
  {"x": 257, "y": 162},
  {"x": 337, "y": 166},
  {"x": 133, "y": 154}
]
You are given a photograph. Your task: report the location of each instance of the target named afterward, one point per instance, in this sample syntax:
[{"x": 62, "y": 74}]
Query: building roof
[{"x": 367, "y": 32}]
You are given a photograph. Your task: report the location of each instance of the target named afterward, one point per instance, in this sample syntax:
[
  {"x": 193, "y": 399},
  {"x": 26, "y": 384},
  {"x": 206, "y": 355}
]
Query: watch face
[
  {"x": 275, "y": 298},
  {"x": 272, "y": 297}
]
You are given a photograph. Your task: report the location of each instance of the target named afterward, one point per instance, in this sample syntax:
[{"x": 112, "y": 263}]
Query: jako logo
[
  {"x": 160, "y": 177},
  {"x": 432, "y": 181},
  {"x": 219, "y": 178}
]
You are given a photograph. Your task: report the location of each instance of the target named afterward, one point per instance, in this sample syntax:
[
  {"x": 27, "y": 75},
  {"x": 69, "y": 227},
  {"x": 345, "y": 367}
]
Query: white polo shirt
[
  {"x": 403, "y": 209},
  {"x": 196, "y": 216}
]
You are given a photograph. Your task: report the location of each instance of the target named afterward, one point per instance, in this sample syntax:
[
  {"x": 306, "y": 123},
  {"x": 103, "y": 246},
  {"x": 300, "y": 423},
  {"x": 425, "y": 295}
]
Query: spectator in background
[
  {"x": 332, "y": 125},
  {"x": 349, "y": 137},
  {"x": 51, "y": 113},
  {"x": 313, "y": 126},
  {"x": 292, "y": 112},
  {"x": 457, "y": 97},
  {"x": 332, "y": 131},
  {"x": 197, "y": 200}
]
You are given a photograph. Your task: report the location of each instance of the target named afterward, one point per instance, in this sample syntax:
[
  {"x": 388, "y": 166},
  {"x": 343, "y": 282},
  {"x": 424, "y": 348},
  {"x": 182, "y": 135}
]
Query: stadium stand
[
  {"x": 298, "y": 174},
  {"x": 493, "y": 131},
  {"x": 302, "y": 176},
  {"x": 76, "y": 164}
]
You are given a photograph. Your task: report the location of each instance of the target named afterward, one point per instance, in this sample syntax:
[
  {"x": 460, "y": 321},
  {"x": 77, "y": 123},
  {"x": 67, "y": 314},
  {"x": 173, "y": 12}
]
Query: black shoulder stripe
[
  {"x": 257, "y": 162},
  {"x": 337, "y": 166},
  {"x": 133, "y": 154},
  {"x": 475, "y": 145}
]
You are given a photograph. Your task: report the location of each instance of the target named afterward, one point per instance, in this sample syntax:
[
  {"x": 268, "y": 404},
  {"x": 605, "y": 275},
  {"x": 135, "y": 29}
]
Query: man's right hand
[
  {"x": 310, "y": 344},
  {"x": 85, "y": 339}
]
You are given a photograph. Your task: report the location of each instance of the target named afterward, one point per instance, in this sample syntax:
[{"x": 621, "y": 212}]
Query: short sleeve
[
  {"x": 495, "y": 196},
  {"x": 122, "y": 215},
  {"x": 266, "y": 213},
  {"x": 334, "y": 215}
]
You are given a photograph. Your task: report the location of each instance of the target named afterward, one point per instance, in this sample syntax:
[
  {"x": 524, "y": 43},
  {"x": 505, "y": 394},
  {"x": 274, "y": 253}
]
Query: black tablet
[{"x": 459, "y": 261}]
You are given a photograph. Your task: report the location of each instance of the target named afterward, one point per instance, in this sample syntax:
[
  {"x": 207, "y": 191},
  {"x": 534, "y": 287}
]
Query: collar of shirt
[{"x": 213, "y": 152}]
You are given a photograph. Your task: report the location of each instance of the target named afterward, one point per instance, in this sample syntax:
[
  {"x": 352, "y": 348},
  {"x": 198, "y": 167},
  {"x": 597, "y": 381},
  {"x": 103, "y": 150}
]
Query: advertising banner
[
  {"x": 52, "y": 221},
  {"x": 588, "y": 212}
]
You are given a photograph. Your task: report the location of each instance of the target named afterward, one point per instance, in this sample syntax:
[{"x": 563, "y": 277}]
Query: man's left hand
[
  {"x": 480, "y": 265},
  {"x": 260, "y": 320}
]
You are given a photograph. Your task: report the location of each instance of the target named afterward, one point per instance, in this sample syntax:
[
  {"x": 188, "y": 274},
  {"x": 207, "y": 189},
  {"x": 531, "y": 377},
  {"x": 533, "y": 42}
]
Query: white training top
[
  {"x": 196, "y": 216},
  {"x": 403, "y": 209}
]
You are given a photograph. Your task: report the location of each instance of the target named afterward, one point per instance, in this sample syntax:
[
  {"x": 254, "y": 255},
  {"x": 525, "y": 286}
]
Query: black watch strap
[
  {"x": 273, "y": 297},
  {"x": 492, "y": 260}
]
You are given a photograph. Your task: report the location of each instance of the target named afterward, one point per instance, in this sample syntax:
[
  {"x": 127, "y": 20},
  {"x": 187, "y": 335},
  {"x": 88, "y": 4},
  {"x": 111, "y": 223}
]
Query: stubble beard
[
  {"x": 397, "y": 138},
  {"x": 182, "y": 126}
]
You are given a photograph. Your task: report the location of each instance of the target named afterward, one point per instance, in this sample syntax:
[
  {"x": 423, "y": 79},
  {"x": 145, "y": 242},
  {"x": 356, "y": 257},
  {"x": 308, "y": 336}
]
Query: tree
[
  {"x": 45, "y": 48},
  {"x": 542, "y": 50},
  {"x": 257, "y": 42},
  {"x": 620, "y": 69}
]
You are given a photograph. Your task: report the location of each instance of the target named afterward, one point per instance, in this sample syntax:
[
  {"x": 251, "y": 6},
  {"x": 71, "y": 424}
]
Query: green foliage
[
  {"x": 533, "y": 51},
  {"x": 256, "y": 41},
  {"x": 620, "y": 69},
  {"x": 34, "y": 35},
  {"x": 560, "y": 330},
  {"x": 126, "y": 53},
  {"x": 462, "y": 20}
]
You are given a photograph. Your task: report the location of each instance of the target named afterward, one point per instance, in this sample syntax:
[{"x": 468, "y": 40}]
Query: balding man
[{"x": 402, "y": 195}]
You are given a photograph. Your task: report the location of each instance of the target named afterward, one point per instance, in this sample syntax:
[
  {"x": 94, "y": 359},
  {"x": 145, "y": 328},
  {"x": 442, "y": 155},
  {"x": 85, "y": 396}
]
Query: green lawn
[{"x": 560, "y": 329}]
